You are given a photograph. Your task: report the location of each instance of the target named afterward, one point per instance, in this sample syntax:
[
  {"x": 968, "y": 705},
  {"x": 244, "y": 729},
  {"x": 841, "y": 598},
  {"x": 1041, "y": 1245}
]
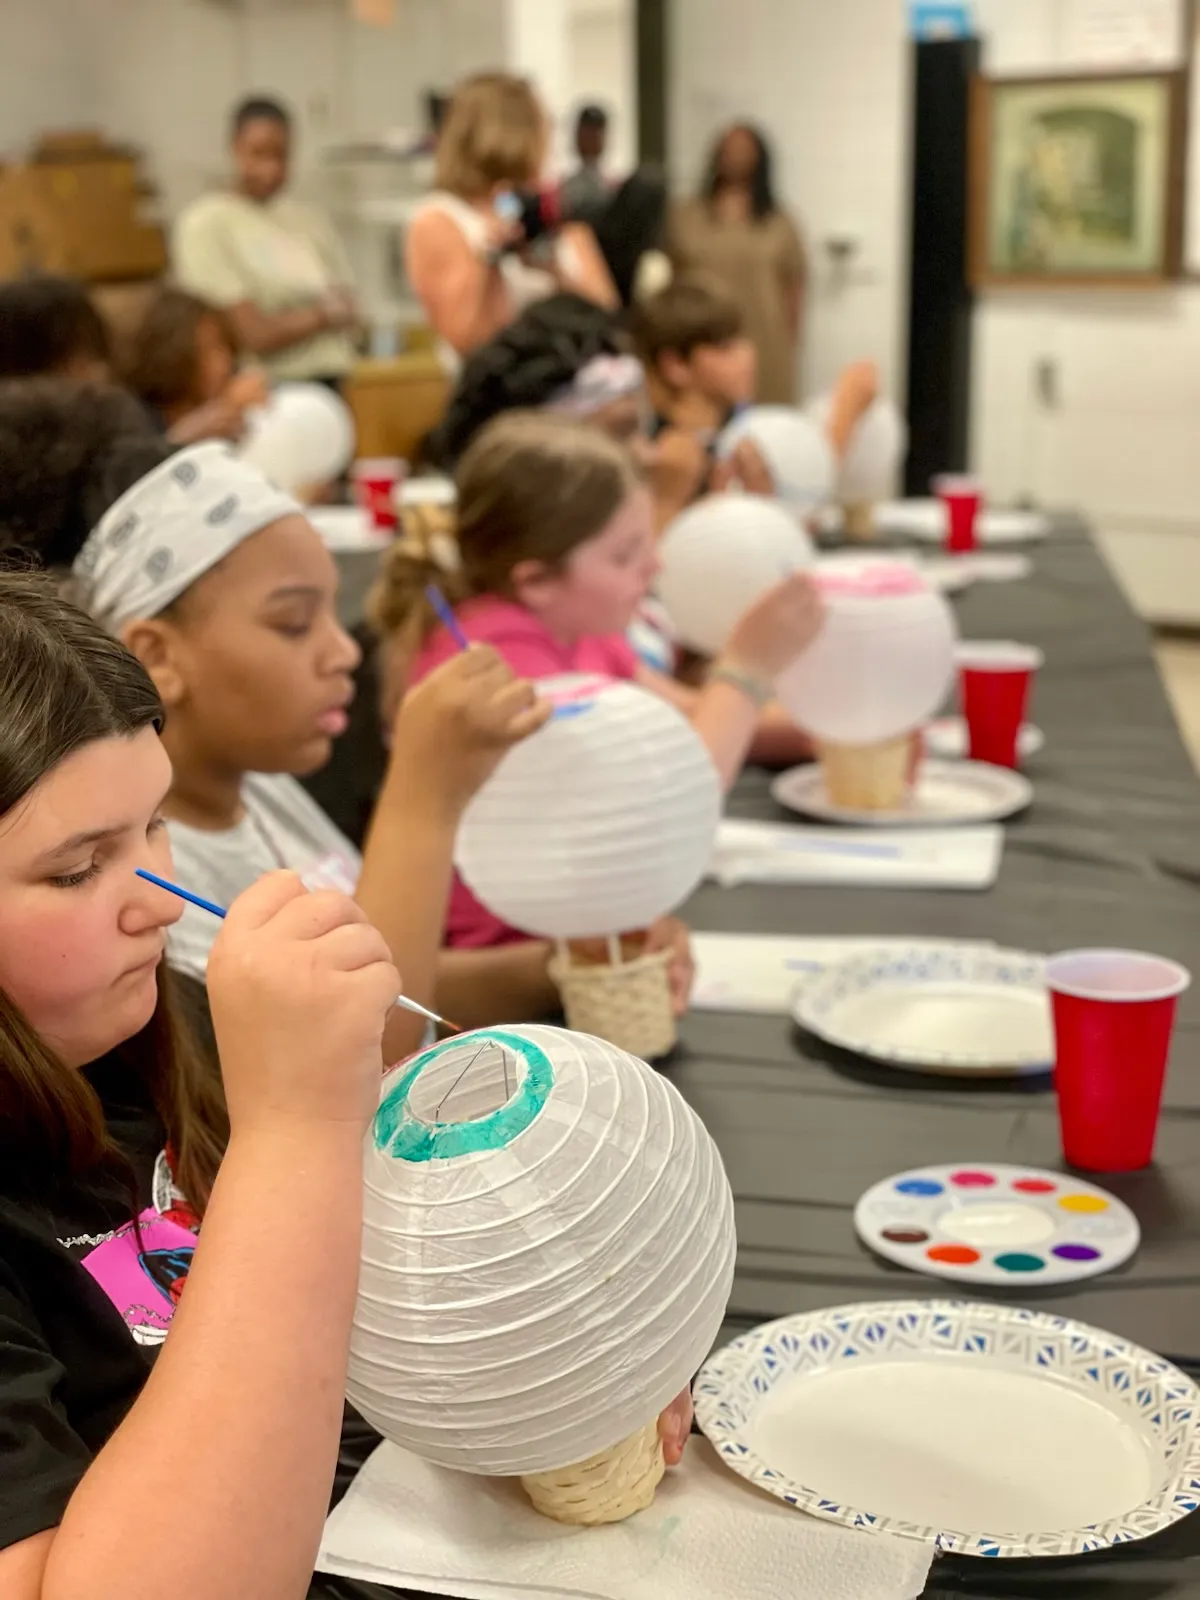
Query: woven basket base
[
  {"x": 858, "y": 521},
  {"x": 608, "y": 1487},
  {"x": 629, "y": 1003},
  {"x": 868, "y": 777}
]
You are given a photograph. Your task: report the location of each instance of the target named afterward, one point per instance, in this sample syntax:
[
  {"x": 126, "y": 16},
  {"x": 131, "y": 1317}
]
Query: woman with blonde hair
[{"x": 485, "y": 243}]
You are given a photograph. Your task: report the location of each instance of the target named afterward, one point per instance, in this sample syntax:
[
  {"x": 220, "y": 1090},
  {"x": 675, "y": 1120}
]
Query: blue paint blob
[
  {"x": 398, "y": 1130},
  {"x": 1019, "y": 1261},
  {"x": 923, "y": 1186}
]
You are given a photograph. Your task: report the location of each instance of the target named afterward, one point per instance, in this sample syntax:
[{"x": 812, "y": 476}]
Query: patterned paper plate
[
  {"x": 951, "y": 1009},
  {"x": 985, "y": 1430}
]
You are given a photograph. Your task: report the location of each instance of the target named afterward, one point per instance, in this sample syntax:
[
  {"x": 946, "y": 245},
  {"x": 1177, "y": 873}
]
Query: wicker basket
[
  {"x": 858, "y": 521},
  {"x": 608, "y": 1487},
  {"x": 627, "y": 1002},
  {"x": 868, "y": 777}
]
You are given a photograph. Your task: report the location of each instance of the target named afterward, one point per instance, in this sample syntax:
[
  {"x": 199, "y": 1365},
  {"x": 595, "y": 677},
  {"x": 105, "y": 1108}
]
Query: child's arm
[
  {"x": 730, "y": 712},
  {"x": 450, "y": 734},
  {"x": 503, "y": 983}
]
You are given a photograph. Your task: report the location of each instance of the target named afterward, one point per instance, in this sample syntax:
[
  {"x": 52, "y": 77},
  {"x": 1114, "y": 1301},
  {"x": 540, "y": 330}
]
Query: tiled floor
[{"x": 1179, "y": 663}]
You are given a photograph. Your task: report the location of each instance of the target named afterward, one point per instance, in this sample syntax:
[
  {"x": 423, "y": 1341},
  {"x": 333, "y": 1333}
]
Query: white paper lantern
[
  {"x": 868, "y": 469},
  {"x": 721, "y": 555},
  {"x": 548, "y": 1247},
  {"x": 600, "y": 823},
  {"x": 302, "y": 437},
  {"x": 882, "y": 663},
  {"x": 796, "y": 450}
]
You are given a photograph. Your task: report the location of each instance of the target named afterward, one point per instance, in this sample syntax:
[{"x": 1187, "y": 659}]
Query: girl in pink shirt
[{"x": 554, "y": 550}]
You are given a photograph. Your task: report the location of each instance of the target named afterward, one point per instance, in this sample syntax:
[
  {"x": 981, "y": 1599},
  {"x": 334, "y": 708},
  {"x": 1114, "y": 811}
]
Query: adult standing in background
[
  {"x": 585, "y": 191},
  {"x": 736, "y": 231},
  {"x": 273, "y": 264},
  {"x": 481, "y": 247}
]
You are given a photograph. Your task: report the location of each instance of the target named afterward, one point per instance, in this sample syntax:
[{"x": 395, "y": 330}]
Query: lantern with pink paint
[{"x": 882, "y": 664}]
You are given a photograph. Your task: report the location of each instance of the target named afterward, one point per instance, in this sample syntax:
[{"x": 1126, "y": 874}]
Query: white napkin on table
[
  {"x": 881, "y": 858},
  {"x": 411, "y": 1525},
  {"x": 762, "y": 972}
]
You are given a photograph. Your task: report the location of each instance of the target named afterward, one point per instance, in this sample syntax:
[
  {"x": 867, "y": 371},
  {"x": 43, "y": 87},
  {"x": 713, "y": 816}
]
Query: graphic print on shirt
[{"x": 144, "y": 1277}]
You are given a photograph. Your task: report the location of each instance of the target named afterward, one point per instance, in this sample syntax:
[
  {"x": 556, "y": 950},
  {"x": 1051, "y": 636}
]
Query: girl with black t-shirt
[{"x": 202, "y": 1469}]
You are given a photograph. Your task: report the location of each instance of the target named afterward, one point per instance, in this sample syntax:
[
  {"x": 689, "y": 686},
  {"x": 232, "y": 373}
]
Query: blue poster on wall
[{"x": 931, "y": 20}]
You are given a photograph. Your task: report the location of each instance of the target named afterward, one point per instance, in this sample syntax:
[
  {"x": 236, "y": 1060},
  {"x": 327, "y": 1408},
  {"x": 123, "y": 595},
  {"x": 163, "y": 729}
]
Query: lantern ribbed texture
[
  {"x": 882, "y": 663},
  {"x": 868, "y": 470},
  {"x": 538, "y": 1283},
  {"x": 796, "y": 450},
  {"x": 720, "y": 556},
  {"x": 600, "y": 823}
]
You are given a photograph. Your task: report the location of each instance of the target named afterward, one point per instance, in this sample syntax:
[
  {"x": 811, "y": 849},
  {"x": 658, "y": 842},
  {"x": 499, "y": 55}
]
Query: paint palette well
[{"x": 990, "y": 1224}]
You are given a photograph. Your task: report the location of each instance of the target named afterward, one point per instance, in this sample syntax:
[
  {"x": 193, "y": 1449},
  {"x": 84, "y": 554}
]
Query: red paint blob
[
  {"x": 953, "y": 1255},
  {"x": 972, "y": 1180},
  {"x": 1035, "y": 1186}
]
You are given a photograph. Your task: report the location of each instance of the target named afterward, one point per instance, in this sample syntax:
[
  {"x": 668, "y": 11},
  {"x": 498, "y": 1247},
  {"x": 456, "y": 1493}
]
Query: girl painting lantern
[{"x": 548, "y": 1247}]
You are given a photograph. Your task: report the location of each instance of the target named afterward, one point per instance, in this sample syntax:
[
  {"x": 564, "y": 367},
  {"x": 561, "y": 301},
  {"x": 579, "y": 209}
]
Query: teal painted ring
[{"x": 401, "y": 1133}]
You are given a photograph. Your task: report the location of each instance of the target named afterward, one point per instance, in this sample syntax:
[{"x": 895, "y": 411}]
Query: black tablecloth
[{"x": 1109, "y": 854}]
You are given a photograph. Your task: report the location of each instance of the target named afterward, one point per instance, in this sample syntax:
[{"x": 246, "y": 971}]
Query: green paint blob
[
  {"x": 398, "y": 1131},
  {"x": 1017, "y": 1261}
]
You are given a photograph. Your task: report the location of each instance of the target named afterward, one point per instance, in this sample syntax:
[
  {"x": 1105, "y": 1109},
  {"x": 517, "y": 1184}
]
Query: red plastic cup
[
  {"x": 1113, "y": 1015},
  {"x": 376, "y": 482},
  {"x": 962, "y": 499},
  {"x": 994, "y": 684}
]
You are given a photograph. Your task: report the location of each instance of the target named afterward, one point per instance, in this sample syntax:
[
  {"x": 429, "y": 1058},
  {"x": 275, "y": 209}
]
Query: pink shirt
[{"x": 532, "y": 651}]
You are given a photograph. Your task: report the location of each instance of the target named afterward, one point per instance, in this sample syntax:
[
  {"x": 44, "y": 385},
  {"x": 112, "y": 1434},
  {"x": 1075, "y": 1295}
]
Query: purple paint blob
[{"x": 1076, "y": 1252}]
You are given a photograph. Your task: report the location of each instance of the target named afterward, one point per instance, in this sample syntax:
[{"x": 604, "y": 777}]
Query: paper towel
[{"x": 416, "y": 1526}]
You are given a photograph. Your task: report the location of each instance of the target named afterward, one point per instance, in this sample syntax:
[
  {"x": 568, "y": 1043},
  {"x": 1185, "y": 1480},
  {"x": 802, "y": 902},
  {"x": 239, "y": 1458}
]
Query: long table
[{"x": 1109, "y": 854}]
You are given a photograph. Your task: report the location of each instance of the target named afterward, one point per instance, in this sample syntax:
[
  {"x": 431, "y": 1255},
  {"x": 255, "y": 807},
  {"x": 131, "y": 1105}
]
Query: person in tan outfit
[{"x": 735, "y": 231}]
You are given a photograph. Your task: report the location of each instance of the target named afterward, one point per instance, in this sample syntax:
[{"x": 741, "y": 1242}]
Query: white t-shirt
[
  {"x": 282, "y": 256},
  {"x": 283, "y": 827}
]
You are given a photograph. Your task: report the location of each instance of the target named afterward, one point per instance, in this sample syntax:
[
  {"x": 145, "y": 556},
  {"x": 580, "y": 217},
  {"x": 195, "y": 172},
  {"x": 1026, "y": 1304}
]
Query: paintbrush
[{"x": 401, "y": 1000}]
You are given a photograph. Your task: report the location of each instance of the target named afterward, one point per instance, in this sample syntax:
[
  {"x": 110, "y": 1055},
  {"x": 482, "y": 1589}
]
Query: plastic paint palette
[{"x": 997, "y": 1224}]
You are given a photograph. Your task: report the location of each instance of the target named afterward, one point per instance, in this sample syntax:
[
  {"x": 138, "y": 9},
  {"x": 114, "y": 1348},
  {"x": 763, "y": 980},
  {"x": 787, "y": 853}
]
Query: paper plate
[
  {"x": 980, "y": 1222},
  {"x": 347, "y": 529},
  {"x": 925, "y": 521},
  {"x": 949, "y": 1009},
  {"x": 947, "y": 738},
  {"x": 431, "y": 491},
  {"x": 947, "y": 792},
  {"x": 984, "y": 1430}
]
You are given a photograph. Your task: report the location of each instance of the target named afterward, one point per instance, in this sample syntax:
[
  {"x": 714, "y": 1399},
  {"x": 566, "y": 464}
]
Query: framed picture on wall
[{"x": 1077, "y": 181}]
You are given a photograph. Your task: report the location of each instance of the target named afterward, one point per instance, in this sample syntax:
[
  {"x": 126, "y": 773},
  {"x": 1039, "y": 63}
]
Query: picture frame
[{"x": 1077, "y": 181}]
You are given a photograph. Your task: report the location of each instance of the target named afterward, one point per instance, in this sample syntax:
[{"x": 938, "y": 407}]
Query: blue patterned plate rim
[
  {"x": 734, "y": 1379},
  {"x": 912, "y": 966}
]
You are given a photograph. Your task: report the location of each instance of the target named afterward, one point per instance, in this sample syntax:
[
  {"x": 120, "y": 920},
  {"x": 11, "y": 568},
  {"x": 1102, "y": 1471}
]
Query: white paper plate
[
  {"x": 925, "y": 520},
  {"x": 980, "y": 1222},
  {"x": 984, "y": 1430},
  {"x": 948, "y": 1009},
  {"x": 431, "y": 491},
  {"x": 947, "y": 738},
  {"x": 347, "y": 529},
  {"x": 947, "y": 792}
]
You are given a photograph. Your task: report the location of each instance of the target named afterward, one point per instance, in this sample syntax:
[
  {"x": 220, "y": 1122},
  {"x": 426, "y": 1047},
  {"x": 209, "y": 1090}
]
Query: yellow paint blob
[{"x": 1083, "y": 1202}]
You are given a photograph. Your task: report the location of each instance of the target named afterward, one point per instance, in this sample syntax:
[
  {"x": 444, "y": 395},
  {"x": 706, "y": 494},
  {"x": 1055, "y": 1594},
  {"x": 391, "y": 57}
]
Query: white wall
[{"x": 828, "y": 80}]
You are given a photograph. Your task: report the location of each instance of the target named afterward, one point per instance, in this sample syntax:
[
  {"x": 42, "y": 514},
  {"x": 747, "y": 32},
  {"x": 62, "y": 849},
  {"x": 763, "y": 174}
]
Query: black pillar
[
  {"x": 651, "y": 52},
  {"x": 940, "y": 298}
]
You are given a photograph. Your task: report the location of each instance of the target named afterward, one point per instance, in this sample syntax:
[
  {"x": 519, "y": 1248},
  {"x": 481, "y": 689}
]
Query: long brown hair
[
  {"x": 533, "y": 486},
  {"x": 161, "y": 359},
  {"x": 65, "y": 683}
]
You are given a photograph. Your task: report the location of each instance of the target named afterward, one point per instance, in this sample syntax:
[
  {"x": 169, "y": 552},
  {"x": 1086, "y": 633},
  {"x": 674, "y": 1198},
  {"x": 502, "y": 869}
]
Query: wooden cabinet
[{"x": 396, "y": 402}]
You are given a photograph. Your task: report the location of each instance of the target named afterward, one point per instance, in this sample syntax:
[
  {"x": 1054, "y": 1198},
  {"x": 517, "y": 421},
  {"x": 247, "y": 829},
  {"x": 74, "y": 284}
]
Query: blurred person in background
[
  {"x": 275, "y": 265},
  {"x": 736, "y": 231},
  {"x": 487, "y": 242},
  {"x": 586, "y": 190},
  {"x": 181, "y": 361},
  {"x": 49, "y": 327}
]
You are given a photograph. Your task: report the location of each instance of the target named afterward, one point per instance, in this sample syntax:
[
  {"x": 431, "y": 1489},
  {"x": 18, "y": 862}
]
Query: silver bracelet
[{"x": 755, "y": 689}]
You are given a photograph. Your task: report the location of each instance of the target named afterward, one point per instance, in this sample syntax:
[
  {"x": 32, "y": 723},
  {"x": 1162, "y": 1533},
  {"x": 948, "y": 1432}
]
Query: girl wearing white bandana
[{"x": 222, "y": 588}]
